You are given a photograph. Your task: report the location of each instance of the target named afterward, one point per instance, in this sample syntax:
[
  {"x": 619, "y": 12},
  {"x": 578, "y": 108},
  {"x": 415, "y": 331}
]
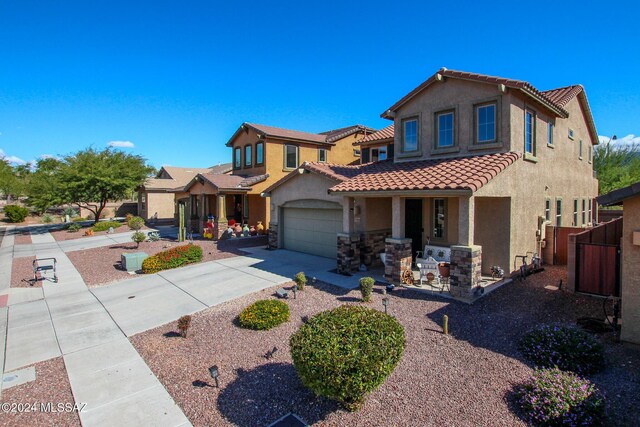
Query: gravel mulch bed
[
  {"x": 22, "y": 273},
  {"x": 101, "y": 266},
  {"x": 61, "y": 235},
  {"x": 465, "y": 378},
  {"x": 51, "y": 386}
]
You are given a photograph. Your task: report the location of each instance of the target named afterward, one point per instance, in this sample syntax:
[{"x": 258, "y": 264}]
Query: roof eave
[{"x": 446, "y": 192}]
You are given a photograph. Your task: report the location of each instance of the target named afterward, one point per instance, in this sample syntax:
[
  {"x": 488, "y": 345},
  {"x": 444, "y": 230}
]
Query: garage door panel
[{"x": 312, "y": 230}]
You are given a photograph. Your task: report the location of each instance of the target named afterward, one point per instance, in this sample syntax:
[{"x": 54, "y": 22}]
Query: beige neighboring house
[
  {"x": 156, "y": 198},
  {"x": 480, "y": 164},
  {"x": 629, "y": 197}
]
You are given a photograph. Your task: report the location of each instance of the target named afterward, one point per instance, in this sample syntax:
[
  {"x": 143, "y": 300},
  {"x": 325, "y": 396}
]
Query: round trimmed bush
[
  {"x": 16, "y": 213},
  {"x": 347, "y": 352},
  {"x": 366, "y": 288},
  {"x": 552, "y": 397},
  {"x": 135, "y": 223},
  {"x": 264, "y": 314},
  {"x": 301, "y": 280},
  {"x": 567, "y": 347}
]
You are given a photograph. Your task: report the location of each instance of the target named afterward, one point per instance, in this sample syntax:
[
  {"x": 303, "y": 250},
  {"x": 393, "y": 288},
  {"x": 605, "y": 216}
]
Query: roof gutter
[{"x": 389, "y": 193}]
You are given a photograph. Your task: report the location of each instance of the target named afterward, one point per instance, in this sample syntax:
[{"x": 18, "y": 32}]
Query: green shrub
[
  {"x": 347, "y": 352},
  {"x": 264, "y": 314},
  {"x": 78, "y": 219},
  {"x": 105, "y": 225},
  {"x": 72, "y": 228},
  {"x": 552, "y": 397},
  {"x": 172, "y": 258},
  {"x": 153, "y": 236},
  {"x": 47, "y": 219},
  {"x": 301, "y": 280},
  {"x": 16, "y": 213},
  {"x": 138, "y": 237},
  {"x": 366, "y": 288},
  {"x": 567, "y": 347},
  {"x": 135, "y": 223}
]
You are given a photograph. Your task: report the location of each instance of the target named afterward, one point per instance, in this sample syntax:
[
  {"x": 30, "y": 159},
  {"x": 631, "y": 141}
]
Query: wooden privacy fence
[{"x": 593, "y": 264}]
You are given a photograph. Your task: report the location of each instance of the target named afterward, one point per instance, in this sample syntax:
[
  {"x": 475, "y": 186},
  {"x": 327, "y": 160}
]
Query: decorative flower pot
[
  {"x": 252, "y": 231},
  {"x": 260, "y": 228},
  {"x": 444, "y": 269}
]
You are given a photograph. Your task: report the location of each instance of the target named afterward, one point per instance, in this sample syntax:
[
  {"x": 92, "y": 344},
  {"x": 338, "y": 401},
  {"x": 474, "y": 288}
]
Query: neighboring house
[
  {"x": 630, "y": 265},
  {"x": 376, "y": 146},
  {"x": 261, "y": 156},
  {"x": 480, "y": 163},
  {"x": 156, "y": 198}
]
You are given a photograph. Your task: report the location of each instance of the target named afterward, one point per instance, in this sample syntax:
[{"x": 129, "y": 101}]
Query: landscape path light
[{"x": 213, "y": 371}]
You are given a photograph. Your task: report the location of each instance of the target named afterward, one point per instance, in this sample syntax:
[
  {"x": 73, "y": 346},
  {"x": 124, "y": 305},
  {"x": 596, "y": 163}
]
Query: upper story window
[
  {"x": 445, "y": 137},
  {"x": 580, "y": 150},
  {"x": 547, "y": 209},
  {"x": 570, "y": 133},
  {"x": 590, "y": 204},
  {"x": 237, "y": 158},
  {"x": 290, "y": 156},
  {"x": 247, "y": 156},
  {"x": 378, "y": 154},
  {"x": 584, "y": 211},
  {"x": 486, "y": 120},
  {"x": 410, "y": 135},
  {"x": 259, "y": 153},
  {"x": 550, "y": 133},
  {"x": 575, "y": 212},
  {"x": 530, "y": 132},
  {"x": 322, "y": 154}
]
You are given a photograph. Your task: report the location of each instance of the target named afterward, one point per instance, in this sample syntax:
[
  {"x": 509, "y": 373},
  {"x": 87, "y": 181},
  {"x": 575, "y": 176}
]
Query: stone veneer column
[
  {"x": 220, "y": 228},
  {"x": 398, "y": 258},
  {"x": 272, "y": 235},
  {"x": 466, "y": 266},
  {"x": 348, "y": 252}
]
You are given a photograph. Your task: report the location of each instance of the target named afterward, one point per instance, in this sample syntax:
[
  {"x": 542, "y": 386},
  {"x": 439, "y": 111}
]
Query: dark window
[
  {"x": 247, "y": 156},
  {"x": 584, "y": 211},
  {"x": 366, "y": 155},
  {"x": 290, "y": 156},
  {"x": 237, "y": 158},
  {"x": 259, "y": 153},
  {"x": 445, "y": 137},
  {"x": 547, "y": 210},
  {"x": 575, "y": 212},
  {"x": 530, "y": 132},
  {"x": 322, "y": 155},
  {"x": 559, "y": 212},
  {"x": 390, "y": 151}
]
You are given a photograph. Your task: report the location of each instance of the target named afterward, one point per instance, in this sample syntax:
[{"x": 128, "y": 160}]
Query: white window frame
[
  {"x": 248, "y": 149},
  {"x": 580, "y": 149},
  {"x": 405, "y": 122},
  {"x": 321, "y": 152},
  {"x": 237, "y": 158},
  {"x": 550, "y": 133},
  {"x": 570, "y": 134},
  {"x": 440, "y": 114},
  {"x": 547, "y": 209},
  {"x": 575, "y": 212},
  {"x": 286, "y": 157},
  {"x": 584, "y": 211},
  {"x": 532, "y": 131},
  {"x": 495, "y": 123}
]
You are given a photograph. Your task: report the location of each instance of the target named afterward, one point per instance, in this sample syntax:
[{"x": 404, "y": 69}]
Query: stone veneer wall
[
  {"x": 371, "y": 244},
  {"x": 398, "y": 258},
  {"x": 273, "y": 235},
  {"x": 220, "y": 229},
  {"x": 348, "y": 252},
  {"x": 466, "y": 266}
]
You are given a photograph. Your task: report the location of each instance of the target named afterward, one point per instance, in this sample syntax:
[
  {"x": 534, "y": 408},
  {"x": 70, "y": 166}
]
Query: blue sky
[{"x": 176, "y": 79}]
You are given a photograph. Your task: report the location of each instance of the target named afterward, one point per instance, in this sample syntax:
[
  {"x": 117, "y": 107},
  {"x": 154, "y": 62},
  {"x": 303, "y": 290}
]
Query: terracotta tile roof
[
  {"x": 230, "y": 182},
  {"x": 328, "y": 137},
  {"x": 181, "y": 176},
  {"x": 381, "y": 135},
  {"x": 521, "y": 85},
  {"x": 464, "y": 173},
  {"x": 563, "y": 95},
  {"x": 338, "y": 173}
]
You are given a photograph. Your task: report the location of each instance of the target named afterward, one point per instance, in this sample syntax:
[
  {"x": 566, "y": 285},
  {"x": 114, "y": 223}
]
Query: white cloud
[
  {"x": 629, "y": 140},
  {"x": 50, "y": 156},
  {"x": 121, "y": 144},
  {"x": 15, "y": 160}
]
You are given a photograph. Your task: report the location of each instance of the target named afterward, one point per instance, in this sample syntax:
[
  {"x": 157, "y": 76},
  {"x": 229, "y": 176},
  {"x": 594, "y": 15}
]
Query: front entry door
[{"x": 413, "y": 223}]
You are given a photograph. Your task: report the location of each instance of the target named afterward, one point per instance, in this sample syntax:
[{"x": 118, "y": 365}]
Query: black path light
[
  {"x": 385, "y": 302},
  {"x": 213, "y": 371},
  {"x": 295, "y": 291}
]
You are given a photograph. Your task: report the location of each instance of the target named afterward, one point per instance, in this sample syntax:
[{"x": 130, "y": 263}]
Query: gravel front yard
[
  {"x": 101, "y": 266},
  {"x": 51, "y": 386},
  {"x": 61, "y": 235},
  {"x": 461, "y": 379}
]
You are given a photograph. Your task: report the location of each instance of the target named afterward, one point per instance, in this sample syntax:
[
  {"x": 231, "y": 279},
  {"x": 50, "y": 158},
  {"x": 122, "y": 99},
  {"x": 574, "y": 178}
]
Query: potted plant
[{"x": 444, "y": 268}]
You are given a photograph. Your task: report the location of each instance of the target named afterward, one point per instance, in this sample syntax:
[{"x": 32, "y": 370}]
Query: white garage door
[{"x": 312, "y": 231}]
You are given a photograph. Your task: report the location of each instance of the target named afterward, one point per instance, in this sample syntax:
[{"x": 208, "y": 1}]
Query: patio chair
[{"x": 429, "y": 271}]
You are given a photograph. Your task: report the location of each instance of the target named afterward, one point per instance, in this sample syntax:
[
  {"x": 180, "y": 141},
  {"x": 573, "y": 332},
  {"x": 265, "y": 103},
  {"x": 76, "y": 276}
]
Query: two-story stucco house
[
  {"x": 479, "y": 164},
  {"x": 261, "y": 156}
]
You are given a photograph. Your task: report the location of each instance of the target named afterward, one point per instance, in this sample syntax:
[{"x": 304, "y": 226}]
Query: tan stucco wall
[
  {"x": 160, "y": 203},
  {"x": 630, "y": 284},
  {"x": 492, "y": 227},
  {"x": 458, "y": 95},
  {"x": 375, "y": 213}
]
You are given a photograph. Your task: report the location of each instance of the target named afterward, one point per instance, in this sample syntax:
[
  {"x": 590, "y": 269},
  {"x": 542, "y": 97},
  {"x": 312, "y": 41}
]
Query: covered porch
[{"x": 470, "y": 233}]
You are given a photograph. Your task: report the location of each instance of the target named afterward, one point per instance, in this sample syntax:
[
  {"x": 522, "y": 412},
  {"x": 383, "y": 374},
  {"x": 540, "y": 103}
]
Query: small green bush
[
  {"x": 47, "y": 219},
  {"x": 153, "y": 236},
  {"x": 138, "y": 237},
  {"x": 347, "y": 352},
  {"x": 552, "y": 397},
  {"x": 301, "y": 280},
  {"x": 72, "y": 228},
  {"x": 264, "y": 314},
  {"x": 78, "y": 219},
  {"x": 105, "y": 225},
  {"x": 135, "y": 223},
  {"x": 16, "y": 213},
  {"x": 567, "y": 347},
  {"x": 366, "y": 288},
  {"x": 172, "y": 258}
]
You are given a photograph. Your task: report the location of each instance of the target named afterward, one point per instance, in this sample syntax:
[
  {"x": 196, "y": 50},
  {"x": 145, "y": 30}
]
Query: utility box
[{"x": 133, "y": 261}]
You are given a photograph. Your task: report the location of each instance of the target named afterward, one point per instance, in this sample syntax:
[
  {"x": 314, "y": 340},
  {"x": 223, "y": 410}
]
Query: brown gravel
[
  {"x": 51, "y": 386},
  {"x": 61, "y": 235},
  {"x": 101, "y": 266},
  {"x": 22, "y": 273},
  {"x": 463, "y": 379}
]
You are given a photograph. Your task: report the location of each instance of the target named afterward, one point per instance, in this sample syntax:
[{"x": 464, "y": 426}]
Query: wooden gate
[
  {"x": 561, "y": 240},
  {"x": 597, "y": 269}
]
